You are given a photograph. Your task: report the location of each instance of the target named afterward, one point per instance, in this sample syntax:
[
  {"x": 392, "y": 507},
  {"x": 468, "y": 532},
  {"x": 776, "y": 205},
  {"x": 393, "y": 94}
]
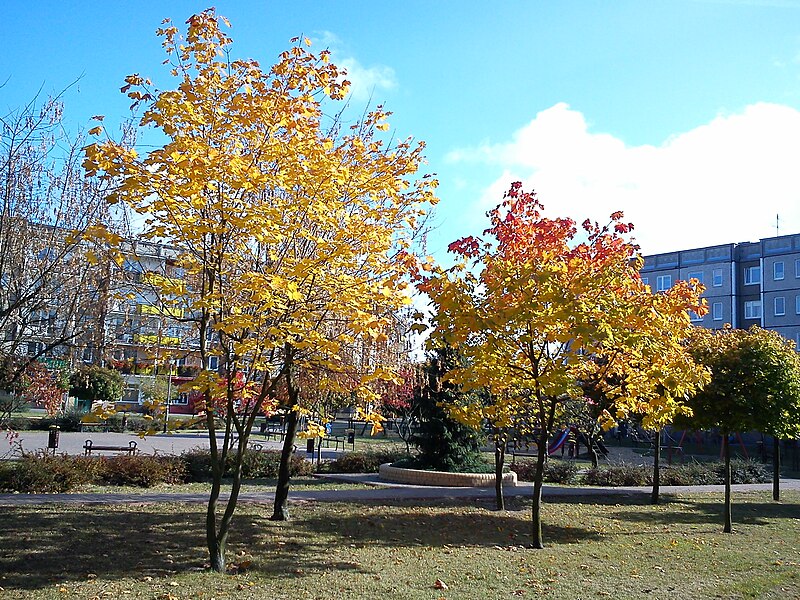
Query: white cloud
[
  {"x": 721, "y": 182},
  {"x": 366, "y": 83}
]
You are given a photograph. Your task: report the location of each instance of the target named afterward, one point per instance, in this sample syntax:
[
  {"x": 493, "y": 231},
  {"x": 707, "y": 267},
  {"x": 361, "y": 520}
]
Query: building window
[
  {"x": 716, "y": 311},
  {"x": 717, "y": 277},
  {"x": 696, "y": 275},
  {"x": 694, "y": 316},
  {"x": 645, "y": 281},
  {"x": 183, "y": 398},
  {"x": 777, "y": 270},
  {"x": 752, "y": 275},
  {"x": 663, "y": 283},
  {"x": 797, "y": 268},
  {"x": 752, "y": 309},
  {"x": 780, "y": 306},
  {"x": 35, "y": 348},
  {"x": 213, "y": 363},
  {"x": 797, "y": 305}
]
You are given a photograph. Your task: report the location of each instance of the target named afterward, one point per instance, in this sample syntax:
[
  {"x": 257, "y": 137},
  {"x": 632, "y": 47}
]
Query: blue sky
[{"x": 684, "y": 114}]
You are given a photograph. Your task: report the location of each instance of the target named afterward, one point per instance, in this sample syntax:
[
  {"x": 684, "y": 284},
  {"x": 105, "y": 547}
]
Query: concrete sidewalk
[{"x": 383, "y": 491}]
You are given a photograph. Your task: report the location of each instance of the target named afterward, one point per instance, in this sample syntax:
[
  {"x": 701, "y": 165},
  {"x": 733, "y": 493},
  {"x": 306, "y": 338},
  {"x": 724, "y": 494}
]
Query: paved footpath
[{"x": 380, "y": 491}]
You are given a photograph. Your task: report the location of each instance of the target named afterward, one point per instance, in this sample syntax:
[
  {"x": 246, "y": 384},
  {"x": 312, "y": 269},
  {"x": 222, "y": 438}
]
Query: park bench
[
  {"x": 339, "y": 434},
  {"x": 89, "y": 447},
  {"x": 270, "y": 429}
]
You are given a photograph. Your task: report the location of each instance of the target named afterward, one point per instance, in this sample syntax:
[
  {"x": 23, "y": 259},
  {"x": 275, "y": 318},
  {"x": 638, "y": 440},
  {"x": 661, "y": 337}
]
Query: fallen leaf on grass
[{"x": 440, "y": 585}]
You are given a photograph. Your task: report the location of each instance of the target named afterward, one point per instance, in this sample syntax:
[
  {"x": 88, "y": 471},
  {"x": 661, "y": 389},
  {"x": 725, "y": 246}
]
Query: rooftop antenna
[{"x": 777, "y": 225}]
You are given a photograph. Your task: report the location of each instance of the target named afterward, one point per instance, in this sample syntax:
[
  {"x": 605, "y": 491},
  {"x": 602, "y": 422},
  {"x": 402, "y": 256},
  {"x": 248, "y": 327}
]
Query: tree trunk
[
  {"x": 776, "y": 469},
  {"x": 216, "y": 546},
  {"x": 656, "y": 468},
  {"x": 726, "y": 450},
  {"x": 538, "y": 481},
  {"x": 281, "y": 507},
  {"x": 499, "y": 460},
  {"x": 593, "y": 455}
]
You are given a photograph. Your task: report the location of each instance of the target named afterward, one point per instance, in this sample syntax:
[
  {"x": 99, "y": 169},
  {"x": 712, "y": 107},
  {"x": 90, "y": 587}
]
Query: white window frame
[
  {"x": 695, "y": 275},
  {"x": 749, "y": 275},
  {"x": 752, "y": 309},
  {"x": 716, "y": 311},
  {"x": 660, "y": 280},
  {"x": 797, "y": 268},
  {"x": 694, "y": 317},
  {"x": 645, "y": 280},
  {"x": 797, "y": 304},
  {"x": 778, "y": 273},
  {"x": 182, "y": 399},
  {"x": 213, "y": 363},
  {"x": 716, "y": 277},
  {"x": 779, "y": 306}
]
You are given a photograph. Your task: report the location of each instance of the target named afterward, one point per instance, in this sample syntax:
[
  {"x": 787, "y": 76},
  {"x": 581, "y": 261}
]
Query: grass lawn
[{"x": 342, "y": 550}]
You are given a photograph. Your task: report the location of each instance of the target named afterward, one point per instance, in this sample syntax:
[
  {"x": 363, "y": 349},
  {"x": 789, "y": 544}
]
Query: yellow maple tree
[
  {"x": 537, "y": 309},
  {"x": 294, "y": 232}
]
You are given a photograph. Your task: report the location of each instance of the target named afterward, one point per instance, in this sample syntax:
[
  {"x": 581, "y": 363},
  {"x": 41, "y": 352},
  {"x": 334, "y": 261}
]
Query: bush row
[
  {"x": 47, "y": 474},
  {"x": 742, "y": 471},
  {"x": 42, "y": 473}
]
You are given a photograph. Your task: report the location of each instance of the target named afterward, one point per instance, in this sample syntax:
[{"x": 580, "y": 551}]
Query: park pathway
[{"x": 380, "y": 491}]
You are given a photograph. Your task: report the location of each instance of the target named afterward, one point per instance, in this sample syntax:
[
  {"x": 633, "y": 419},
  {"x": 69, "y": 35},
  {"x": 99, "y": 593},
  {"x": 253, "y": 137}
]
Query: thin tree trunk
[
  {"x": 776, "y": 469},
  {"x": 656, "y": 468},
  {"x": 499, "y": 460},
  {"x": 281, "y": 507},
  {"x": 216, "y": 547},
  {"x": 538, "y": 481},
  {"x": 726, "y": 450},
  {"x": 593, "y": 456}
]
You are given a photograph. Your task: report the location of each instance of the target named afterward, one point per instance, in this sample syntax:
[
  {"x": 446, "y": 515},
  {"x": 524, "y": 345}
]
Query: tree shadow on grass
[
  {"x": 45, "y": 545},
  {"x": 41, "y": 546},
  {"x": 710, "y": 512}
]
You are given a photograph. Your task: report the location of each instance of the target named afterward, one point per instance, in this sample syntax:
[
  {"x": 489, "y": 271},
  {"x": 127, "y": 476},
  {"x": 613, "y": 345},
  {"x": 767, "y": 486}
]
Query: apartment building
[{"x": 749, "y": 283}]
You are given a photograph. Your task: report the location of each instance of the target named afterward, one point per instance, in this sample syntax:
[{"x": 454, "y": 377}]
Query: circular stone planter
[{"x": 439, "y": 478}]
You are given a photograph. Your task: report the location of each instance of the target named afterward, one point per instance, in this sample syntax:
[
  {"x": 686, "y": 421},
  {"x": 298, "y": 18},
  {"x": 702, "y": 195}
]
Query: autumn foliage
[
  {"x": 540, "y": 307},
  {"x": 294, "y": 229}
]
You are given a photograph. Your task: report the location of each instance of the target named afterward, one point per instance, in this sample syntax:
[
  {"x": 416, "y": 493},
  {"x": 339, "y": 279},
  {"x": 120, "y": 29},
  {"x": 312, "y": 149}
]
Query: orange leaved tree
[
  {"x": 537, "y": 308},
  {"x": 293, "y": 232}
]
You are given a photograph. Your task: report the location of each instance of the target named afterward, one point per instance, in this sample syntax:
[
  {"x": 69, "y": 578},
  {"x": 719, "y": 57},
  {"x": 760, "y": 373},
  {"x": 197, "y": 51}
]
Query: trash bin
[
  {"x": 52, "y": 438},
  {"x": 351, "y": 436}
]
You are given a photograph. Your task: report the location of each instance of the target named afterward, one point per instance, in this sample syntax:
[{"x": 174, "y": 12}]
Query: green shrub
[
  {"x": 21, "y": 423},
  {"x": 42, "y": 473},
  {"x": 747, "y": 471},
  {"x": 693, "y": 473},
  {"x": 142, "y": 471},
  {"x": 555, "y": 471},
  {"x": 7, "y": 469},
  {"x": 255, "y": 464},
  {"x": 619, "y": 475},
  {"x": 363, "y": 462},
  {"x": 560, "y": 471},
  {"x": 71, "y": 420}
]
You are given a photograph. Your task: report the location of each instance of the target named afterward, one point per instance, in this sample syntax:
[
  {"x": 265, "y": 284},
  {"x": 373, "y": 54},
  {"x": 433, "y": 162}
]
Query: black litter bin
[{"x": 52, "y": 438}]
